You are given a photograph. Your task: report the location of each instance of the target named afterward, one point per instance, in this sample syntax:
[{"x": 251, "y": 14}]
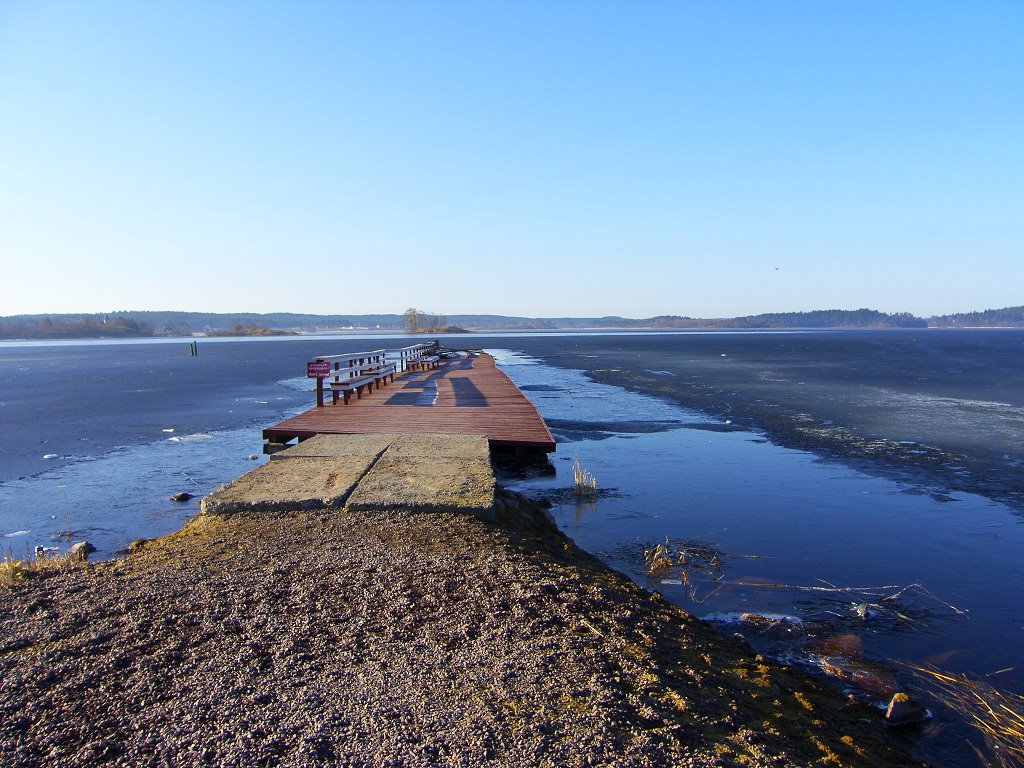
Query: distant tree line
[
  {"x": 73, "y": 327},
  {"x": 1009, "y": 317},
  {"x": 824, "y": 318},
  {"x": 237, "y": 329},
  {"x": 177, "y": 324},
  {"x": 832, "y": 318},
  {"x": 129, "y": 324}
]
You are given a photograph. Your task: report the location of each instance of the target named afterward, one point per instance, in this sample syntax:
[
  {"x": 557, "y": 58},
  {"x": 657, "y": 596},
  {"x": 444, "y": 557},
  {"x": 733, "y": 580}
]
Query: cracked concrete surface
[{"x": 449, "y": 473}]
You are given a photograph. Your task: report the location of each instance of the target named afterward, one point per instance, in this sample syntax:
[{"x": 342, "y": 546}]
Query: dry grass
[
  {"x": 13, "y": 570},
  {"x": 586, "y": 483},
  {"x": 996, "y": 715},
  {"x": 658, "y": 559},
  {"x": 697, "y": 566}
]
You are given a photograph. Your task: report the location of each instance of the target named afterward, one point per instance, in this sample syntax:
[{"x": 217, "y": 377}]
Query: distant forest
[
  {"x": 72, "y": 327},
  {"x": 1009, "y": 317},
  {"x": 824, "y": 318},
  {"x": 130, "y": 324}
]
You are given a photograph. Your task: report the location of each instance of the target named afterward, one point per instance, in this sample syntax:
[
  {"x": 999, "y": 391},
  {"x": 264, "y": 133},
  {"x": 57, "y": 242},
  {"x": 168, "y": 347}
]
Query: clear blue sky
[{"x": 529, "y": 158}]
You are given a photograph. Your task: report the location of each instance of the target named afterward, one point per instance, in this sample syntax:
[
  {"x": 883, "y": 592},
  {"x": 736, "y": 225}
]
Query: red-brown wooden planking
[{"x": 474, "y": 397}]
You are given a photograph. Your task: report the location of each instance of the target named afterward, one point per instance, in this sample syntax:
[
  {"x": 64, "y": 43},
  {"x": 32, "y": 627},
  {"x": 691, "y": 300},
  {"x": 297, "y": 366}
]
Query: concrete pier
[{"x": 450, "y": 473}]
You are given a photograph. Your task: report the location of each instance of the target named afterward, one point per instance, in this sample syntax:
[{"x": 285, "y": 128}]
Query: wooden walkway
[{"x": 463, "y": 396}]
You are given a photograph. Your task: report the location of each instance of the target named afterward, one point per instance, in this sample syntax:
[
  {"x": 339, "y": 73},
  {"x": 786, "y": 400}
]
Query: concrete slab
[
  {"x": 298, "y": 483},
  {"x": 326, "y": 446},
  {"x": 468, "y": 447},
  {"x": 428, "y": 484}
]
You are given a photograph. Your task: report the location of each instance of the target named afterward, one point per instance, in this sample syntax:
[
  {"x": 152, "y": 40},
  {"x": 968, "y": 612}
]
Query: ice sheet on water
[
  {"x": 121, "y": 495},
  {"x": 298, "y": 383},
  {"x": 506, "y": 357},
  {"x": 584, "y": 402}
]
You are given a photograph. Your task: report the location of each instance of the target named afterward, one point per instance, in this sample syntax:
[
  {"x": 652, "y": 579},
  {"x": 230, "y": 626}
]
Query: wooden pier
[{"x": 463, "y": 395}]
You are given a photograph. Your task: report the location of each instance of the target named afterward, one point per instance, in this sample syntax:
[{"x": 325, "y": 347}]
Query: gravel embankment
[{"x": 391, "y": 639}]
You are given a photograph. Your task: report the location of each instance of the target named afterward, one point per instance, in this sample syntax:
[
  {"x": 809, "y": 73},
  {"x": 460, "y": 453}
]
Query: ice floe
[{"x": 184, "y": 438}]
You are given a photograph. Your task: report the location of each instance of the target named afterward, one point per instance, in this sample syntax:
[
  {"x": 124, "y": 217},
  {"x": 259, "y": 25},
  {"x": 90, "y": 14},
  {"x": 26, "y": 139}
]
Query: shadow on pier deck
[{"x": 466, "y": 395}]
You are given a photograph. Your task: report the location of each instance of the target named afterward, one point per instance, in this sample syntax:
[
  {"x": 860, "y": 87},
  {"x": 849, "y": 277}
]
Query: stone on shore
[
  {"x": 904, "y": 710},
  {"x": 80, "y": 551}
]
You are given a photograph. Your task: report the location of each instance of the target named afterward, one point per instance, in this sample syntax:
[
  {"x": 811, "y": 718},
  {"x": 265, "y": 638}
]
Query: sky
[{"x": 709, "y": 159}]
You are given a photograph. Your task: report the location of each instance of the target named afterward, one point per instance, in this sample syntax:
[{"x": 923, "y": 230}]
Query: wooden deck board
[{"x": 466, "y": 396}]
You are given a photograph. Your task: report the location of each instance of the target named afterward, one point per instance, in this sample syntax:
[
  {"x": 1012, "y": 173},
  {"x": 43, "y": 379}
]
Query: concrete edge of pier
[{"x": 441, "y": 473}]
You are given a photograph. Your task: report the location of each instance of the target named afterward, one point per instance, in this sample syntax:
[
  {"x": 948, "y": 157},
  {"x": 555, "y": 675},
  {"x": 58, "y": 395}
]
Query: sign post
[{"x": 319, "y": 370}]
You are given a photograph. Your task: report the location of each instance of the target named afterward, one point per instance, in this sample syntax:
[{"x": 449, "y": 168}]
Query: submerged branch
[{"x": 878, "y": 593}]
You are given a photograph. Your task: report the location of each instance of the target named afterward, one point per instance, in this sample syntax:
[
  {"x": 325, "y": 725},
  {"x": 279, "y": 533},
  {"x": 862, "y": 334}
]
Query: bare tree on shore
[{"x": 422, "y": 322}]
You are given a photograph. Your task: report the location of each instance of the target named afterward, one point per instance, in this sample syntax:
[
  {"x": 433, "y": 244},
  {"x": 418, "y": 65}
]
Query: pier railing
[
  {"x": 409, "y": 357},
  {"x": 354, "y": 371},
  {"x": 350, "y": 372}
]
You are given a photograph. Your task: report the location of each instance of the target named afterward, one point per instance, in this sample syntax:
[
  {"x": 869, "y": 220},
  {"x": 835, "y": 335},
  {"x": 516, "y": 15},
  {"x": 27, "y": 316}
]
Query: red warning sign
[{"x": 318, "y": 369}]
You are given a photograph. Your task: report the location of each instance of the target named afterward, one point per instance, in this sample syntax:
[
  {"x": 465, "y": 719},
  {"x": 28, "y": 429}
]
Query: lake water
[{"x": 825, "y": 541}]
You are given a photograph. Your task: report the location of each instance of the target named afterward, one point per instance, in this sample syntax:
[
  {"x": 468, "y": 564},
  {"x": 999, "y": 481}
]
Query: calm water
[{"x": 88, "y": 445}]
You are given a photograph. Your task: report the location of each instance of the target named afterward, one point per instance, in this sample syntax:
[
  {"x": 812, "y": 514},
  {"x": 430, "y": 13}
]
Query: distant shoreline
[
  {"x": 638, "y": 330},
  {"x": 174, "y": 324},
  {"x": 252, "y": 330}
]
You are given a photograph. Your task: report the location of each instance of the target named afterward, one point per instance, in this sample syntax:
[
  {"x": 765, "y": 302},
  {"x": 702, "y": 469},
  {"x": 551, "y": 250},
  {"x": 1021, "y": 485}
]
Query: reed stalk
[
  {"x": 586, "y": 483},
  {"x": 997, "y": 715}
]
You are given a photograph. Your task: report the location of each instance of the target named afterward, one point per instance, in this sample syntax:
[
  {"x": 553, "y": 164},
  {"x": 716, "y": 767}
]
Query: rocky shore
[{"x": 346, "y": 636}]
